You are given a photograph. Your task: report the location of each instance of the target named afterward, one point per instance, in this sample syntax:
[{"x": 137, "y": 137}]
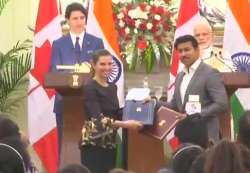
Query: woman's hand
[{"x": 133, "y": 124}]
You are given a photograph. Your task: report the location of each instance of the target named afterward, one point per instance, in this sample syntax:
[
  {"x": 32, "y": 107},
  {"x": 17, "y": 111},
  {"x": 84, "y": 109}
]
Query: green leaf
[
  {"x": 134, "y": 58},
  {"x": 166, "y": 56},
  {"x": 14, "y": 65},
  {"x": 2, "y": 5},
  {"x": 149, "y": 58}
]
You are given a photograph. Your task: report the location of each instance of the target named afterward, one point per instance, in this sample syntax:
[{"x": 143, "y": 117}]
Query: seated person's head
[
  {"x": 223, "y": 158},
  {"x": 74, "y": 168},
  {"x": 193, "y": 130},
  {"x": 203, "y": 33},
  {"x": 8, "y": 128},
  {"x": 244, "y": 129},
  {"x": 119, "y": 170},
  {"x": 198, "y": 164},
  {"x": 11, "y": 160},
  {"x": 184, "y": 157},
  {"x": 165, "y": 170},
  {"x": 245, "y": 154}
]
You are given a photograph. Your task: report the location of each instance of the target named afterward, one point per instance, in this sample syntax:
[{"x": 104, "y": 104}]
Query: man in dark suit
[
  {"x": 200, "y": 81},
  {"x": 73, "y": 48}
]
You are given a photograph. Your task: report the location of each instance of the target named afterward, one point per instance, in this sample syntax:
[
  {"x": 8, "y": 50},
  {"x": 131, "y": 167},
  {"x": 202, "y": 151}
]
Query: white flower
[
  {"x": 121, "y": 23},
  {"x": 123, "y": 1},
  {"x": 127, "y": 30},
  {"x": 148, "y": 7},
  {"x": 149, "y": 26},
  {"x": 157, "y": 17},
  {"x": 138, "y": 14},
  {"x": 137, "y": 23},
  {"x": 120, "y": 15},
  {"x": 115, "y": 1},
  {"x": 135, "y": 31}
]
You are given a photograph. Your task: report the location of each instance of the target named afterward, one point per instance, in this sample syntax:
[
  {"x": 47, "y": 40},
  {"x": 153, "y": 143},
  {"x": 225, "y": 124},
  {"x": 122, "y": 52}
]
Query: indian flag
[
  {"x": 237, "y": 43},
  {"x": 101, "y": 24}
]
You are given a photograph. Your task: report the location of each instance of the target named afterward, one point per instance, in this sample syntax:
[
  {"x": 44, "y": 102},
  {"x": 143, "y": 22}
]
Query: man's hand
[{"x": 181, "y": 116}]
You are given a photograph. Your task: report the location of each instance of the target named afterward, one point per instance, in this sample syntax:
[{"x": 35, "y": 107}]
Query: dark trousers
[
  {"x": 59, "y": 124},
  {"x": 98, "y": 159}
]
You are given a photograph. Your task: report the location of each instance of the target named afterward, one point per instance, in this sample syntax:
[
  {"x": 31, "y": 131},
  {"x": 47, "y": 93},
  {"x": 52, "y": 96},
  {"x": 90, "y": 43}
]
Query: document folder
[
  {"x": 140, "y": 111},
  {"x": 165, "y": 121}
]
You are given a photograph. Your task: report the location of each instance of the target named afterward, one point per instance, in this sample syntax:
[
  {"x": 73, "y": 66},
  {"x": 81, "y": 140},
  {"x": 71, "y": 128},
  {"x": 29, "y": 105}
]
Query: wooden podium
[
  {"x": 145, "y": 153},
  {"x": 73, "y": 111},
  {"x": 232, "y": 81}
]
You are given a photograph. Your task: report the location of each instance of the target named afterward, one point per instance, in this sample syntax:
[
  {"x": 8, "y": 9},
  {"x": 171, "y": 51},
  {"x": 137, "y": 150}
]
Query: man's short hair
[
  {"x": 192, "y": 129},
  {"x": 184, "y": 39},
  {"x": 244, "y": 129},
  {"x": 75, "y": 6}
]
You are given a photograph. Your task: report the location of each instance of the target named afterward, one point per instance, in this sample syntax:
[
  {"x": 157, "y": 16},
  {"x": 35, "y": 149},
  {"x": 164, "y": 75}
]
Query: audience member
[
  {"x": 184, "y": 157},
  {"x": 198, "y": 164},
  {"x": 74, "y": 168},
  {"x": 245, "y": 153},
  {"x": 244, "y": 129},
  {"x": 13, "y": 148},
  {"x": 225, "y": 157},
  {"x": 119, "y": 170},
  {"x": 193, "y": 130}
]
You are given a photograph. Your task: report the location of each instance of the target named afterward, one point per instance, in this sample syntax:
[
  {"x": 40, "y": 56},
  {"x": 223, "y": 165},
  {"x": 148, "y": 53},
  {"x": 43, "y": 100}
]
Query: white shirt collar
[
  {"x": 73, "y": 38},
  {"x": 193, "y": 67}
]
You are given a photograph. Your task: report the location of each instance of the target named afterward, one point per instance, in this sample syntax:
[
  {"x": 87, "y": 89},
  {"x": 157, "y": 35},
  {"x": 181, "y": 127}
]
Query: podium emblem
[
  {"x": 138, "y": 109},
  {"x": 75, "y": 82}
]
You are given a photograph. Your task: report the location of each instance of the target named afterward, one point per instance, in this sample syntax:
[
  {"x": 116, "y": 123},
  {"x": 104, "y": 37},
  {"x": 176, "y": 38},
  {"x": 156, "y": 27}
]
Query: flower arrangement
[{"x": 145, "y": 31}]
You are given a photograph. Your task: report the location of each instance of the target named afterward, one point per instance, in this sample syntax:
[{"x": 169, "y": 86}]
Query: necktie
[{"x": 77, "y": 50}]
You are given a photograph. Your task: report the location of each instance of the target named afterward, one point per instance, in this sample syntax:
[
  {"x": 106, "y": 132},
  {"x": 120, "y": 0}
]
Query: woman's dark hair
[
  {"x": 98, "y": 53},
  {"x": 8, "y": 128},
  {"x": 244, "y": 129},
  {"x": 74, "y": 168},
  {"x": 184, "y": 39},
  {"x": 75, "y": 6},
  {"x": 96, "y": 56},
  {"x": 223, "y": 158},
  {"x": 10, "y": 135}
]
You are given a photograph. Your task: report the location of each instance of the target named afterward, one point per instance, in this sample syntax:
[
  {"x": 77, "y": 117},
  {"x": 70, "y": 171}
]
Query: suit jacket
[
  {"x": 63, "y": 54},
  {"x": 208, "y": 84}
]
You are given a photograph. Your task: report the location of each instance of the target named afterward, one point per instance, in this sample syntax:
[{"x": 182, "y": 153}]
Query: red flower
[
  {"x": 129, "y": 21},
  {"x": 143, "y": 6},
  {"x": 166, "y": 26},
  {"x": 122, "y": 32},
  {"x": 143, "y": 26},
  {"x": 142, "y": 44},
  {"x": 154, "y": 29},
  {"x": 160, "y": 10}
]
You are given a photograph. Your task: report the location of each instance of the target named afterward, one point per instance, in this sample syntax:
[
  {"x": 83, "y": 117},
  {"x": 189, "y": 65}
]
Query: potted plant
[
  {"x": 14, "y": 65},
  {"x": 145, "y": 31}
]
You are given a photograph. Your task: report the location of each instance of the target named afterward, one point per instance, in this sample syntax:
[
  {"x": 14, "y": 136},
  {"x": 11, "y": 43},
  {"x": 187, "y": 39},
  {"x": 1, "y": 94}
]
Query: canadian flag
[
  {"x": 41, "y": 118},
  {"x": 188, "y": 16}
]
